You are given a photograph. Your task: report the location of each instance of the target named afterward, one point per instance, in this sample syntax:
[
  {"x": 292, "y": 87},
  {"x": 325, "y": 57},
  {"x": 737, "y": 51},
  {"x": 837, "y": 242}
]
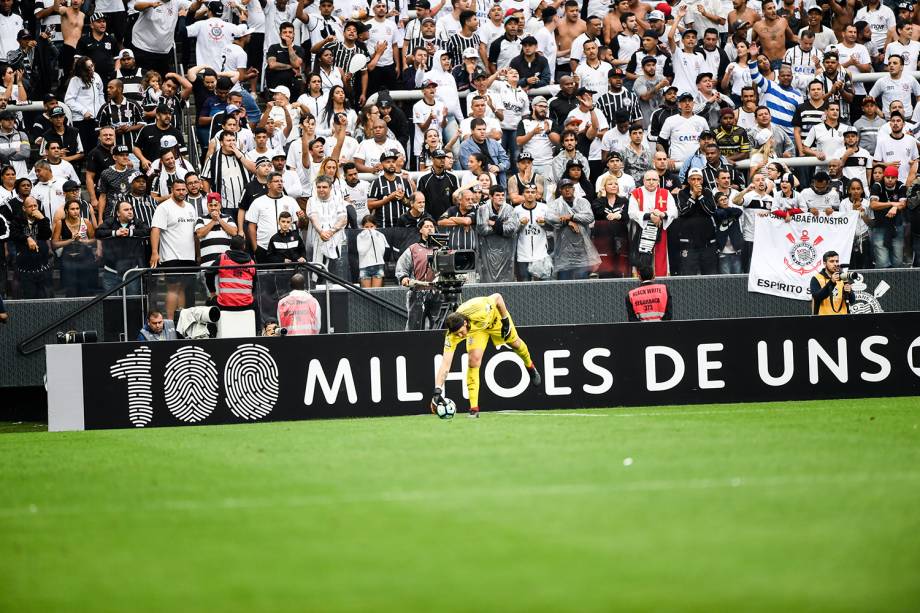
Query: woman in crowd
[
  {"x": 861, "y": 255},
  {"x": 337, "y": 103},
  {"x": 475, "y": 166},
  {"x": 432, "y": 143},
  {"x": 737, "y": 74},
  {"x": 85, "y": 96},
  {"x": 73, "y": 239},
  {"x": 314, "y": 99},
  {"x": 446, "y": 93},
  {"x": 12, "y": 88},
  {"x": 575, "y": 172},
  {"x": 787, "y": 201},
  {"x": 611, "y": 230},
  {"x": 7, "y": 184},
  {"x": 483, "y": 185},
  {"x": 330, "y": 75}
]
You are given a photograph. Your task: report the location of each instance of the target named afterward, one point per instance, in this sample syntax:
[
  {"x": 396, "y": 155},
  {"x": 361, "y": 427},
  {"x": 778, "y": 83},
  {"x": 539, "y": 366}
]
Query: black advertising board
[{"x": 228, "y": 381}]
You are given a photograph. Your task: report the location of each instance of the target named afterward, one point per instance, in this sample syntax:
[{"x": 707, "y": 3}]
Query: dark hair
[
  {"x": 238, "y": 242},
  {"x": 710, "y": 31},
  {"x": 496, "y": 189},
  {"x": 178, "y": 181},
  {"x": 347, "y": 166},
  {"x": 285, "y": 24},
  {"x": 548, "y": 14},
  {"x": 828, "y": 255},
  {"x": 465, "y": 16},
  {"x": 454, "y": 321},
  {"x": 477, "y": 121},
  {"x": 259, "y": 130},
  {"x": 329, "y": 110},
  {"x": 368, "y": 218},
  {"x": 646, "y": 273},
  {"x": 479, "y": 157},
  {"x": 625, "y": 16}
]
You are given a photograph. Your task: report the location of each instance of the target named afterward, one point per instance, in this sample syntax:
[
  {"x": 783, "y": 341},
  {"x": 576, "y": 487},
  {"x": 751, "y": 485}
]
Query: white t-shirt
[
  {"x": 211, "y": 35},
  {"x": 881, "y": 21},
  {"x": 488, "y": 32},
  {"x": 356, "y": 196},
  {"x": 683, "y": 134},
  {"x": 594, "y": 153},
  {"x": 862, "y": 57},
  {"x": 370, "y": 151},
  {"x": 578, "y": 47},
  {"x": 264, "y": 212},
  {"x": 546, "y": 45},
  {"x": 233, "y": 57},
  {"x": 887, "y": 90},
  {"x": 387, "y": 32},
  {"x": 594, "y": 78},
  {"x": 686, "y": 66},
  {"x": 909, "y": 53},
  {"x": 531, "y": 238},
  {"x": 890, "y": 149},
  {"x": 515, "y": 103},
  {"x": 492, "y": 123},
  {"x": 753, "y": 204},
  {"x": 177, "y": 230},
  {"x": 153, "y": 31},
  {"x": 421, "y": 110}
]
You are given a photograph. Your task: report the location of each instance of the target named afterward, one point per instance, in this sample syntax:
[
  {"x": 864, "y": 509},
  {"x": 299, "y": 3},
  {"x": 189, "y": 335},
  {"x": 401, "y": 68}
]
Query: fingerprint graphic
[
  {"x": 251, "y": 381},
  {"x": 191, "y": 384},
  {"x": 135, "y": 369}
]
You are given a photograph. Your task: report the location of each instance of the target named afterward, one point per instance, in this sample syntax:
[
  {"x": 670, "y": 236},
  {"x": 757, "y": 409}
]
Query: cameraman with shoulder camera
[
  {"x": 831, "y": 291},
  {"x": 413, "y": 270}
]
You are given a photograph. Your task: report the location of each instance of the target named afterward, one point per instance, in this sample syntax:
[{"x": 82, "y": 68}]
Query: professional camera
[
  {"x": 449, "y": 264},
  {"x": 848, "y": 276},
  {"x": 74, "y": 337}
]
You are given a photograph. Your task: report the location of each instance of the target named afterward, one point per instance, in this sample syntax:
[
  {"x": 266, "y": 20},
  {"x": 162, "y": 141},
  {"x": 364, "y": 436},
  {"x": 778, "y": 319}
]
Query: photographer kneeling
[{"x": 831, "y": 292}]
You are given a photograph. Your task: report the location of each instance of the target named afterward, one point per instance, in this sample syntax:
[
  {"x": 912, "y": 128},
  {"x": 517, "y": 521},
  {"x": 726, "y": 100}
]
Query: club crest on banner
[
  {"x": 866, "y": 302},
  {"x": 803, "y": 257}
]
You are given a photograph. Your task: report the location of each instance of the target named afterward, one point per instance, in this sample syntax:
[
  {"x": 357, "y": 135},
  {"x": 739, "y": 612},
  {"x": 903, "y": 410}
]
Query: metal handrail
[{"x": 137, "y": 273}]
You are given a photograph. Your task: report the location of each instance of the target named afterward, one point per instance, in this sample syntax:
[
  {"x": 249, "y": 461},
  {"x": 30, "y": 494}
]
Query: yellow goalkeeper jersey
[{"x": 483, "y": 316}]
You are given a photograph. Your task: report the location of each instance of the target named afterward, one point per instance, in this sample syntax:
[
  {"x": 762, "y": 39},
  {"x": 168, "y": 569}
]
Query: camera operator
[
  {"x": 423, "y": 301},
  {"x": 831, "y": 293}
]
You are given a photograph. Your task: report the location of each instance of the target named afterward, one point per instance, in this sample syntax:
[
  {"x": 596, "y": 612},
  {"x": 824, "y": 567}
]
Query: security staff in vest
[
  {"x": 423, "y": 301},
  {"x": 831, "y": 295},
  {"x": 650, "y": 301},
  {"x": 233, "y": 286}
]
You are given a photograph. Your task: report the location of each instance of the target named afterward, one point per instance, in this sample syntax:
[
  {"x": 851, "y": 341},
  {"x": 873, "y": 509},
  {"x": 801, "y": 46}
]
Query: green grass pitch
[{"x": 798, "y": 506}]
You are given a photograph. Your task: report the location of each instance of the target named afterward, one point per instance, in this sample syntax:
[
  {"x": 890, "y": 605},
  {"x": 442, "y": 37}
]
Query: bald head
[{"x": 298, "y": 281}]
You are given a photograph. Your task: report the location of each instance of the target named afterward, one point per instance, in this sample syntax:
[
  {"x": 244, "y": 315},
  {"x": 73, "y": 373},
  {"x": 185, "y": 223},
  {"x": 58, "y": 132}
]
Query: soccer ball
[{"x": 446, "y": 409}]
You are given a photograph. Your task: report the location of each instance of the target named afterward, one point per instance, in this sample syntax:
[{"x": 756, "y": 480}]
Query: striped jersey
[
  {"x": 781, "y": 101},
  {"x": 802, "y": 62},
  {"x": 143, "y": 206},
  {"x": 462, "y": 237},
  {"x": 387, "y": 214},
  {"x": 127, "y": 114},
  {"x": 216, "y": 241},
  {"x": 612, "y": 101},
  {"x": 457, "y": 44}
]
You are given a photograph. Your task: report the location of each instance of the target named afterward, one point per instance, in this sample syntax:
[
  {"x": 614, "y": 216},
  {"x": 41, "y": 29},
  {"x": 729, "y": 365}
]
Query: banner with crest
[{"x": 788, "y": 254}]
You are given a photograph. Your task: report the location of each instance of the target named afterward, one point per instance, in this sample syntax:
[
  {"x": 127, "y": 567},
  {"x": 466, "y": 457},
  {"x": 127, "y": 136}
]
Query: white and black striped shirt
[
  {"x": 387, "y": 215},
  {"x": 611, "y": 102},
  {"x": 216, "y": 241},
  {"x": 228, "y": 176},
  {"x": 128, "y": 114},
  {"x": 457, "y": 44},
  {"x": 143, "y": 206}
]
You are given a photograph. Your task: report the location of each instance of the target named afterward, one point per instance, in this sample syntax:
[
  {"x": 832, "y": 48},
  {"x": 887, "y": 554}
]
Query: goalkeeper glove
[
  {"x": 506, "y": 327},
  {"x": 436, "y": 399}
]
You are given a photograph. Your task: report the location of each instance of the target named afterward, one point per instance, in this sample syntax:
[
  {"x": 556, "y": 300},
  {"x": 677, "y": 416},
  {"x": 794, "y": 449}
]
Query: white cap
[
  {"x": 281, "y": 89},
  {"x": 656, "y": 15},
  {"x": 761, "y": 138},
  {"x": 470, "y": 52},
  {"x": 695, "y": 172},
  {"x": 535, "y": 4}
]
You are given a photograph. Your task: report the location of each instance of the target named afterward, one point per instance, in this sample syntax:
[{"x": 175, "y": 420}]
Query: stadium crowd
[{"x": 167, "y": 127}]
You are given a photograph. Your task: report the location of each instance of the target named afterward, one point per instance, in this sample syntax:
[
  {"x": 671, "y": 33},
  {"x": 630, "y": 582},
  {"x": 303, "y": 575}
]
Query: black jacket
[
  {"x": 40, "y": 232},
  {"x": 696, "y": 217},
  {"x": 121, "y": 253},
  {"x": 283, "y": 247},
  {"x": 728, "y": 226}
]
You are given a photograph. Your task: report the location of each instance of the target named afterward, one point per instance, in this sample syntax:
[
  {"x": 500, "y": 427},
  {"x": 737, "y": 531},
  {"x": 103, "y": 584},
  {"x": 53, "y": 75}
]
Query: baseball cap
[
  {"x": 121, "y": 150},
  {"x": 814, "y": 9},
  {"x": 126, "y": 53},
  {"x": 213, "y": 197},
  {"x": 538, "y": 100},
  {"x": 850, "y": 130},
  {"x": 479, "y": 74},
  {"x": 389, "y": 154},
  {"x": 318, "y": 139},
  {"x": 49, "y": 97},
  {"x": 281, "y": 154},
  {"x": 424, "y": 4},
  {"x": 24, "y": 35},
  {"x": 907, "y": 6},
  {"x": 703, "y": 75},
  {"x": 429, "y": 83},
  {"x": 231, "y": 108},
  {"x": 656, "y": 14},
  {"x": 242, "y": 33},
  {"x": 868, "y": 100},
  {"x": 584, "y": 90},
  {"x": 762, "y": 136},
  {"x": 70, "y": 186},
  {"x": 97, "y": 17},
  {"x": 57, "y": 111},
  {"x": 575, "y": 162},
  {"x": 262, "y": 160},
  {"x": 615, "y": 72},
  {"x": 823, "y": 176},
  {"x": 649, "y": 59},
  {"x": 168, "y": 141},
  {"x": 470, "y": 53},
  {"x": 685, "y": 96},
  {"x": 727, "y": 111},
  {"x": 525, "y": 156},
  {"x": 439, "y": 153},
  {"x": 664, "y": 7},
  {"x": 428, "y": 20},
  {"x": 509, "y": 15},
  {"x": 695, "y": 172},
  {"x": 528, "y": 40},
  {"x": 740, "y": 24},
  {"x": 890, "y": 171},
  {"x": 163, "y": 107},
  {"x": 216, "y": 7},
  {"x": 565, "y": 183},
  {"x": 281, "y": 89},
  {"x": 140, "y": 176}
]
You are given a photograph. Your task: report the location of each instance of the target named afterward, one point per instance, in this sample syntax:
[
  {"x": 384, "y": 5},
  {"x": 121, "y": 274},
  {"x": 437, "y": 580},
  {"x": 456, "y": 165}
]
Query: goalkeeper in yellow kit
[{"x": 477, "y": 320}]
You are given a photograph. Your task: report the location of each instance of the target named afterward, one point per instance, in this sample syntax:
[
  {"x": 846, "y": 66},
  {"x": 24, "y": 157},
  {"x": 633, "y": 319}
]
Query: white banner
[{"x": 788, "y": 254}]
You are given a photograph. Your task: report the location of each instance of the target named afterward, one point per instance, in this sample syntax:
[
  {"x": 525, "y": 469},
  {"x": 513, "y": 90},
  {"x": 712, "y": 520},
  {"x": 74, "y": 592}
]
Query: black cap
[
  {"x": 566, "y": 183},
  {"x": 703, "y": 75},
  {"x": 422, "y": 4},
  {"x": 121, "y": 150},
  {"x": 685, "y": 96},
  {"x": 216, "y": 7},
  {"x": 821, "y": 176},
  {"x": 389, "y": 154},
  {"x": 438, "y": 153},
  {"x": 528, "y": 40},
  {"x": 479, "y": 74},
  {"x": 525, "y": 155},
  {"x": 575, "y": 162},
  {"x": 49, "y": 97},
  {"x": 24, "y": 35},
  {"x": 70, "y": 186},
  {"x": 163, "y": 107},
  {"x": 57, "y": 111},
  {"x": 262, "y": 159},
  {"x": 615, "y": 72},
  {"x": 650, "y": 34},
  {"x": 584, "y": 90},
  {"x": 649, "y": 59},
  {"x": 140, "y": 176},
  {"x": 97, "y": 17}
]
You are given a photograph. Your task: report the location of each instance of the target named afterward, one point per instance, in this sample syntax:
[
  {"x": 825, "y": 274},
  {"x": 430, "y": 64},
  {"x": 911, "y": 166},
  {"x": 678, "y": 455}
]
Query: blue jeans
[
  {"x": 509, "y": 143},
  {"x": 253, "y": 114},
  {"x": 730, "y": 263},
  {"x": 886, "y": 257},
  {"x": 111, "y": 280},
  {"x": 574, "y": 274}
]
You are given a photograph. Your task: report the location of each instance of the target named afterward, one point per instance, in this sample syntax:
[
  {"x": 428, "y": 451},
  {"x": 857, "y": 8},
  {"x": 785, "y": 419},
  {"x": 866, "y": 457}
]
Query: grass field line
[
  {"x": 666, "y": 413},
  {"x": 464, "y": 494}
]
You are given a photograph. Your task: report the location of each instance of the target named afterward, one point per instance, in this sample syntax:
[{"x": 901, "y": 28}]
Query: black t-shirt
[
  {"x": 898, "y": 192},
  {"x": 98, "y": 160},
  {"x": 102, "y": 53},
  {"x": 70, "y": 140},
  {"x": 148, "y": 140},
  {"x": 283, "y": 56},
  {"x": 254, "y": 189}
]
